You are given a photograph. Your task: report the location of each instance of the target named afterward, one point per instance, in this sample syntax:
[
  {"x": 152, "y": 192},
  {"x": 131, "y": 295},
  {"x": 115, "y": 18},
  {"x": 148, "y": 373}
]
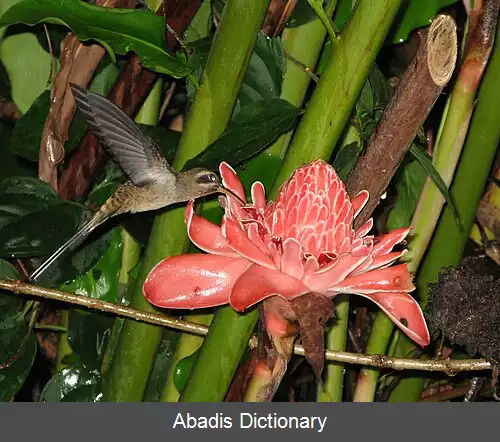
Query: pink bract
[{"x": 302, "y": 242}]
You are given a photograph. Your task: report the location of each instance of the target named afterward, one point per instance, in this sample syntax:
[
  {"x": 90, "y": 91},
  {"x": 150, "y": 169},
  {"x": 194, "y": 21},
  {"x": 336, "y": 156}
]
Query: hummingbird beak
[{"x": 227, "y": 192}]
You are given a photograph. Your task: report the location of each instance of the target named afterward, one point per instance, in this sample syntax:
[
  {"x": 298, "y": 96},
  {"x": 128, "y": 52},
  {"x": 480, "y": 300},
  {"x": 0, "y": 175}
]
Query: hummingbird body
[{"x": 153, "y": 183}]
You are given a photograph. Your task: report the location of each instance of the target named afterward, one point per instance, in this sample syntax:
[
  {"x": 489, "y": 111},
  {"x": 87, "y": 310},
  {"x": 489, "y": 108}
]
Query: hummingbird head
[{"x": 198, "y": 182}]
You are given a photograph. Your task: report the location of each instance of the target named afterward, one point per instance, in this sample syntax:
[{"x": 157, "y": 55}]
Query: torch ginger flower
[{"x": 303, "y": 242}]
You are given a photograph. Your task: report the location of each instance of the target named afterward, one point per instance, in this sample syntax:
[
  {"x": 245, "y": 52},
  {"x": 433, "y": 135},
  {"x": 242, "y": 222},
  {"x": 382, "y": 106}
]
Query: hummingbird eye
[{"x": 208, "y": 178}]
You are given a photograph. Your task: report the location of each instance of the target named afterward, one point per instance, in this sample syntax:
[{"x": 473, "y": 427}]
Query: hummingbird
[{"x": 152, "y": 184}]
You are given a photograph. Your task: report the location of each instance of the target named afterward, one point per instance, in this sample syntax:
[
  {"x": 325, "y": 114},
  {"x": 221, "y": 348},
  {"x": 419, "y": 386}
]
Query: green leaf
[
  {"x": 10, "y": 304},
  {"x": 255, "y": 127},
  {"x": 264, "y": 75},
  {"x": 414, "y": 15},
  {"x": 74, "y": 384},
  {"x": 22, "y": 186},
  {"x": 118, "y": 30},
  {"x": 426, "y": 162},
  {"x": 12, "y": 377},
  {"x": 161, "y": 367},
  {"x": 201, "y": 24},
  {"x": 27, "y": 134},
  {"x": 39, "y": 233},
  {"x": 88, "y": 333},
  {"x": 346, "y": 159},
  {"x": 409, "y": 181},
  {"x": 10, "y": 164},
  {"x": 28, "y": 69},
  {"x": 182, "y": 371}
]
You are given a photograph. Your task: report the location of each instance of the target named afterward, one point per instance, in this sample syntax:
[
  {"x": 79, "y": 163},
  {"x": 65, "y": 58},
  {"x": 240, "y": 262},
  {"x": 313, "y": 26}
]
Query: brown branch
[
  {"x": 129, "y": 92},
  {"x": 418, "y": 90},
  {"x": 378, "y": 361},
  {"x": 278, "y": 13}
]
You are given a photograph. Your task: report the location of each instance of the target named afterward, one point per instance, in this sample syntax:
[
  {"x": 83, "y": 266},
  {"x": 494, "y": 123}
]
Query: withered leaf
[{"x": 313, "y": 310}]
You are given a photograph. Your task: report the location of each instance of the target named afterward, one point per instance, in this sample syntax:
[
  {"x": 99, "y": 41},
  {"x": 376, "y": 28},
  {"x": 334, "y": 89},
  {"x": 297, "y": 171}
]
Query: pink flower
[{"x": 303, "y": 242}]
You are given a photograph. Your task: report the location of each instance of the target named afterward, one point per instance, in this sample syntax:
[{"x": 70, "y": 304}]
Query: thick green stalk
[
  {"x": 303, "y": 44},
  {"x": 332, "y": 388},
  {"x": 128, "y": 376},
  {"x": 377, "y": 345},
  {"x": 449, "y": 240},
  {"x": 188, "y": 344},
  {"x": 212, "y": 109},
  {"x": 339, "y": 86},
  {"x": 324, "y": 121}
]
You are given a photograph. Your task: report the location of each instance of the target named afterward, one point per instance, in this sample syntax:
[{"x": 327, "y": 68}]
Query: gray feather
[{"x": 136, "y": 153}]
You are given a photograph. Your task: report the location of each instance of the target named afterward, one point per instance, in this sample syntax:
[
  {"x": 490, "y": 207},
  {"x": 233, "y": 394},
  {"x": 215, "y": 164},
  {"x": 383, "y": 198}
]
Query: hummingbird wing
[{"x": 137, "y": 154}]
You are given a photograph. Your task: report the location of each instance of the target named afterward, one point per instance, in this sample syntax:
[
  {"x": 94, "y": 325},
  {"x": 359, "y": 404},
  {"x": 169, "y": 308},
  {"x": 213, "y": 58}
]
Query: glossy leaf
[
  {"x": 38, "y": 233},
  {"x": 118, "y": 30},
  {"x": 88, "y": 336},
  {"x": 409, "y": 180},
  {"x": 10, "y": 304},
  {"x": 17, "y": 353},
  {"x": 255, "y": 127},
  {"x": 13, "y": 377},
  {"x": 74, "y": 384},
  {"x": 88, "y": 333},
  {"x": 23, "y": 186}
]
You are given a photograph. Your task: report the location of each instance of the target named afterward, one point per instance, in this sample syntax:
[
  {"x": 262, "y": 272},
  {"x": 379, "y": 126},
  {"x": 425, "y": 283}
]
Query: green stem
[
  {"x": 327, "y": 113},
  {"x": 304, "y": 43},
  {"x": 130, "y": 366},
  {"x": 331, "y": 390},
  {"x": 449, "y": 240},
  {"x": 339, "y": 86},
  {"x": 317, "y": 5},
  {"x": 377, "y": 345},
  {"x": 211, "y": 110},
  {"x": 220, "y": 354},
  {"x": 188, "y": 344}
]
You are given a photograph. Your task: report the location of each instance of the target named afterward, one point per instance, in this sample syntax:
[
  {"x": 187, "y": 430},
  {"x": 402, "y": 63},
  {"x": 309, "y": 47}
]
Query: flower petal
[
  {"x": 322, "y": 281},
  {"x": 206, "y": 235},
  {"x": 258, "y": 283},
  {"x": 386, "y": 243},
  {"x": 364, "y": 229},
  {"x": 231, "y": 181},
  {"x": 379, "y": 262},
  {"x": 240, "y": 243},
  {"x": 359, "y": 201},
  {"x": 391, "y": 279},
  {"x": 402, "y": 307},
  {"x": 291, "y": 261},
  {"x": 258, "y": 195},
  {"x": 193, "y": 281}
]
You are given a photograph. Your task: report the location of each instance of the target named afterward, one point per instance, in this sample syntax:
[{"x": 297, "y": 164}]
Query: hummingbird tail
[{"x": 81, "y": 234}]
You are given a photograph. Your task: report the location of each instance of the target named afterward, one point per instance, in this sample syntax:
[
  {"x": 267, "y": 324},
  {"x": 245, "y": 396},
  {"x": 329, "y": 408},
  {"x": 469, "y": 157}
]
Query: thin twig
[
  {"x": 379, "y": 361},
  {"x": 166, "y": 101},
  {"x": 302, "y": 66}
]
